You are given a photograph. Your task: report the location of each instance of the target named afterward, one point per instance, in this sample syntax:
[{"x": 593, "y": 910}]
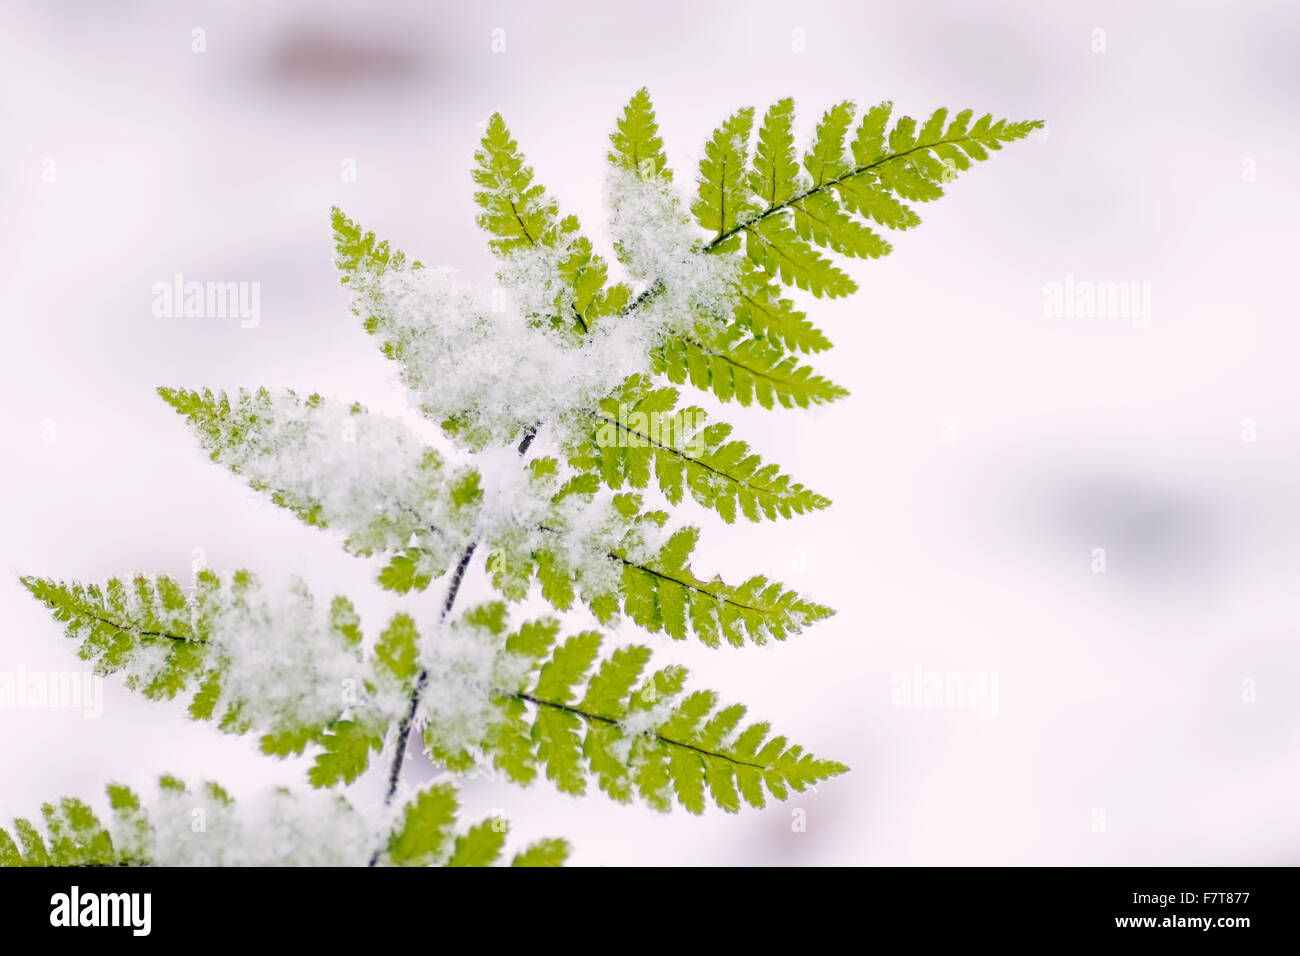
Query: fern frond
[
  {"x": 573, "y": 716},
  {"x": 425, "y": 836},
  {"x": 819, "y": 218},
  {"x": 761, "y": 310},
  {"x": 516, "y": 211},
  {"x": 639, "y": 432},
  {"x": 521, "y": 216},
  {"x": 324, "y": 831},
  {"x": 356, "y": 251},
  {"x": 336, "y": 466},
  {"x": 825, "y": 159},
  {"x": 660, "y": 593},
  {"x": 543, "y": 853},
  {"x": 251, "y": 659},
  {"x": 74, "y": 837},
  {"x": 775, "y": 176},
  {"x": 880, "y": 168},
  {"x": 724, "y": 199},
  {"x": 772, "y": 244},
  {"x": 636, "y": 144},
  {"x": 558, "y": 350},
  {"x": 625, "y": 564},
  {"x": 736, "y": 368}
]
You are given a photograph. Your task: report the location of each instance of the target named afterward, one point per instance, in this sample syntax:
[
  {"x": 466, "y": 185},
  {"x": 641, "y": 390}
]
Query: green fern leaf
[
  {"x": 168, "y": 643},
  {"x": 761, "y": 310},
  {"x": 543, "y": 853},
  {"x": 481, "y": 846},
  {"x": 283, "y": 445},
  {"x": 776, "y": 247},
  {"x": 647, "y": 739},
  {"x": 425, "y": 828},
  {"x": 775, "y": 176},
  {"x": 346, "y": 754},
  {"x": 358, "y": 251},
  {"x": 639, "y": 431},
  {"x": 745, "y": 370},
  {"x": 636, "y": 145},
  {"x": 724, "y": 199},
  {"x": 516, "y": 210},
  {"x": 825, "y": 161},
  {"x": 520, "y": 215}
]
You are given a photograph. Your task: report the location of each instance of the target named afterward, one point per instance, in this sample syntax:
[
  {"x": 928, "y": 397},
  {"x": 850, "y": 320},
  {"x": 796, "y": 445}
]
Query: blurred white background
[{"x": 1121, "y": 735}]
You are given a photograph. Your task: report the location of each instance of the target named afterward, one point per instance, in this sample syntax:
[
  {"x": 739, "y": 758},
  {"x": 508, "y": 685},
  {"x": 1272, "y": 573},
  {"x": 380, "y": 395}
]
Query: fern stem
[
  {"x": 85, "y": 612},
  {"x": 821, "y": 187},
  {"x": 669, "y": 449},
  {"x": 422, "y": 681},
  {"x": 670, "y": 741}
]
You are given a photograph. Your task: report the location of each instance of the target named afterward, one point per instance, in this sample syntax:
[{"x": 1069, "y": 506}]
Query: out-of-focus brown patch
[{"x": 313, "y": 57}]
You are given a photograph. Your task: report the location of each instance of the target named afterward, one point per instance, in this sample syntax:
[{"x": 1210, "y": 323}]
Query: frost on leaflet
[{"x": 569, "y": 439}]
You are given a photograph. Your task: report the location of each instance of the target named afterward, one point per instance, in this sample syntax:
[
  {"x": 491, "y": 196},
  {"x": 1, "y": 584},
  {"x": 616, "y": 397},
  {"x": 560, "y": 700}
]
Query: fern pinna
[{"x": 560, "y": 396}]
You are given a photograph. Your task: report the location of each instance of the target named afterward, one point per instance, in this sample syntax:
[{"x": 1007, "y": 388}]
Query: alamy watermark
[
  {"x": 179, "y": 299},
  {"x": 130, "y": 910},
  {"x": 945, "y": 690},
  {"x": 1085, "y": 299},
  {"x": 52, "y": 690}
]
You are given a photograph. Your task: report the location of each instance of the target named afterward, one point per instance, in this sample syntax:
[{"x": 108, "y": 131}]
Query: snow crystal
[
  {"x": 368, "y": 475},
  {"x": 642, "y": 723},
  {"x": 492, "y": 365},
  {"x": 659, "y": 246},
  {"x": 464, "y": 664},
  {"x": 282, "y": 666},
  {"x": 275, "y": 828}
]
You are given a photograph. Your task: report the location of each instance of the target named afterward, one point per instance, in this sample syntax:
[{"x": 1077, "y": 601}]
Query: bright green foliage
[
  {"x": 280, "y": 443},
  {"x": 346, "y": 754},
  {"x": 521, "y": 216},
  {"x": 636, "y": 145},
  {"x": 780, "y": 250},
  {"x": 543, "y": 853},
  {"x": 113, "y": 621},
  {"x": 632, "y": 567},
  {"x": 573, "y": 366},
  {"x": 743, "y": 369},
  {"x": 516, "y": 210},
  {"x": 74, "y": 836},
  {"x": 357, "y": 250},
  {"x": 871, "y": 178},
  {"x": 784, "y": 214},
  {"x": 565, "y": 712},
  {"x": 170, "y": 643},
  {"x": 425, "y": 828},
  {"x": 724, "y": 196},
  {"x": 481, "y": 845},
  {"x": 766, "y": 314},
  {"x": 426, "y": 834},
  {"x": 825, "y": 159},
  {"x": 775, "y": 176},
  {"x": 639, "y": 432}
]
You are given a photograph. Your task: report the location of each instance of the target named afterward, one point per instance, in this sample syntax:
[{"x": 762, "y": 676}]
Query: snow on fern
[
  {"x": 206, "y": 827},
  {"x": 335, "y": 465},
  {"x": 563, "y": 388},
  {"x": 203, "y": 825},
  {"x": 490, "y": 364}
]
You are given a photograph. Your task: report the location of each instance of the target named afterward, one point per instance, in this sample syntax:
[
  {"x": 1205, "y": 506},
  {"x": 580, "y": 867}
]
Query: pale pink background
[{"x": 1118, "y": 692}]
